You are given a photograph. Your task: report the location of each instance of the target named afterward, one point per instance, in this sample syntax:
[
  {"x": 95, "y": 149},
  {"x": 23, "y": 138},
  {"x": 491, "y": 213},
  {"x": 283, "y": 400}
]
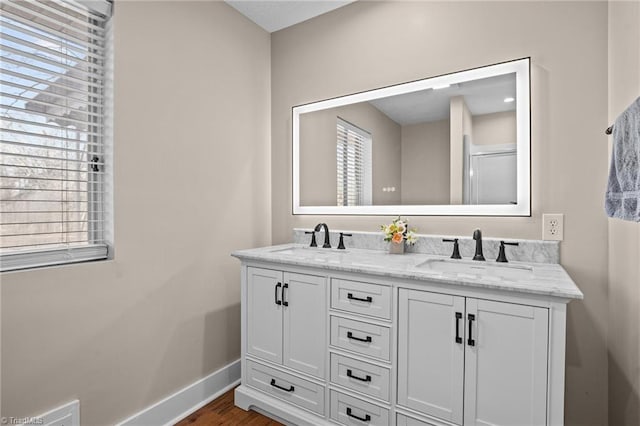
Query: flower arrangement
[{"x": 398, "y": 232}]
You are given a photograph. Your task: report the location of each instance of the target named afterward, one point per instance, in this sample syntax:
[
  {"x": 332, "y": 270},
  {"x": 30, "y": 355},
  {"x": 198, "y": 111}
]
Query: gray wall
[
  {"x": 461, "y": 123},
  {"x": 624, "y": 237},
  {"x": 425, "y": 163},
  {"x": 404, "y": 41},
  {"x": 192, "y": 183},
  {"x": 495, "y": 128}
]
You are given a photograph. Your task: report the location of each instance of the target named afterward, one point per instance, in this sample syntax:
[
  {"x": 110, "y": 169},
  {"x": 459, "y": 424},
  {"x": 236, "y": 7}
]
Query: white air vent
[{"x": 65, "y": 415}]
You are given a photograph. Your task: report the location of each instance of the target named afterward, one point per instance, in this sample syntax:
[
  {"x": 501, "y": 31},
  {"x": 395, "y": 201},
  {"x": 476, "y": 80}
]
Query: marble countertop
[{"x": 547, "y": 279}]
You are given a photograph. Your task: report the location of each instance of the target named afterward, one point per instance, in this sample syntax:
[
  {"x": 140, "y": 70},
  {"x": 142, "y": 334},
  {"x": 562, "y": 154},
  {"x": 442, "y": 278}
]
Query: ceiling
[
  {"x": 482, "y": 96},
  {"x": 276, "y": 15}
]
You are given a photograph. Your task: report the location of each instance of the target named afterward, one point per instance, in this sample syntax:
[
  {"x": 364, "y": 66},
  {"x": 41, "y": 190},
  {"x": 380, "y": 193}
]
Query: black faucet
[
  {"x": 477, "y": 235},
  {"x": 341, "y": 242},
  {"x": 313, "y": 238},
  {"x": 327, "y": 243},
  {"x": 456, "y": 248},
  {"x": 502, "y": 257}
]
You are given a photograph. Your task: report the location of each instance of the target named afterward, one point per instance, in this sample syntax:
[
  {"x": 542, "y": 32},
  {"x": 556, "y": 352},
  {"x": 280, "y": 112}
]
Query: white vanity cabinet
[
  {"x": 506, "y": 369},
  {"x": 431, "y": 353},
  {"x": 481, "y": 361},
  {"x": 286, "y": 317},
  {"x": 327, "y": 345}
]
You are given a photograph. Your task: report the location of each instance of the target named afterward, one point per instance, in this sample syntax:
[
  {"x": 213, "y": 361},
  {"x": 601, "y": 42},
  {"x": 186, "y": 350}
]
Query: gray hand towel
[{"x": 622, "y": 199}]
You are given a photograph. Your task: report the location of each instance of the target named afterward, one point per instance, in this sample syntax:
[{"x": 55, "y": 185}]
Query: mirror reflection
[{"x": 450, "y": 144}]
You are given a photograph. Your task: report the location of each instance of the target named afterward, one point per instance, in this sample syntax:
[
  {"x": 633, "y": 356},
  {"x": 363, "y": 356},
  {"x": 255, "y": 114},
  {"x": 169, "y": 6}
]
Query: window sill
[{"x": 44, "y": 258}]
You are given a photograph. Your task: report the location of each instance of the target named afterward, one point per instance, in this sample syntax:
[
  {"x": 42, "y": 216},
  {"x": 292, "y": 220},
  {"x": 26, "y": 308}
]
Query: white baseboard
[
  {"x": 187, "y": 400},
  {"x": 65, "y": 415}
]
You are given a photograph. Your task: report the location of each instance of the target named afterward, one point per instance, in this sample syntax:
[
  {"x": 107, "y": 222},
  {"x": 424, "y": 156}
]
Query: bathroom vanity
[{"x": 360, "y": 337}]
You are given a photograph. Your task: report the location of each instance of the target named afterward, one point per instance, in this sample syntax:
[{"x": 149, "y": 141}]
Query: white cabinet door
[
  {"x": 304, "y": 301},
  {"x": 430, "y": 358},
  {"x": 506, "y": 367},
  {"x": 264, "y": 314}
]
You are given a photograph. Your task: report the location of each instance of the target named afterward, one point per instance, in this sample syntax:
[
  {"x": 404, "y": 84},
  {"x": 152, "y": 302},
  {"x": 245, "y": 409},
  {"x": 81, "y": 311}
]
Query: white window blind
[
  {"x": 52, "y": 156},
  {"x": 354, "y": 165}
]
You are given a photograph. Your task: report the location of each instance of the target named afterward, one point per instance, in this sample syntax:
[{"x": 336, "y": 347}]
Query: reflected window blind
[
  {"x": 354, "y": 164},
  {"x": 52, "y": 132}
]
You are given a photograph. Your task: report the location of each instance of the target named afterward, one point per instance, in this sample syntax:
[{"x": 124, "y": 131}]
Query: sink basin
[
  {"x": 309, "y": 253},
  {"x": 305, "y": 251},
  {"x": 291, "y": 250},
  {"x": 504, "y": 271}
]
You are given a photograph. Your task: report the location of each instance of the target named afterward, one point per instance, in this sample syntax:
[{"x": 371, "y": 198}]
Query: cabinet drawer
[
  {"x": 360, "y": 376},
  {"x": 285, "y": 386},
  {"x": 361, "y": 298},
  {"x": 367, "y": 339},
  {"x": 348, "y": 410}
]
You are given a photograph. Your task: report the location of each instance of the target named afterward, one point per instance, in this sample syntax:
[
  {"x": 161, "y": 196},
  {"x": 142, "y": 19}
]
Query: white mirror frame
[{"x": 523, "y": 144}]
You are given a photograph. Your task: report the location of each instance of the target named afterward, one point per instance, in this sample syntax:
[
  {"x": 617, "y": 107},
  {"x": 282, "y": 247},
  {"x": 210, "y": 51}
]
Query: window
[
  {"x": 52, "y": 143},
  {"x": 354, "y": 164}
]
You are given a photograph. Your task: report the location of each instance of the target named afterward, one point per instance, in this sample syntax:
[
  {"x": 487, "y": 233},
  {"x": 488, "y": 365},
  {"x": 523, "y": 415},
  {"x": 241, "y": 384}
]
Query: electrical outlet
[{"x": 553, "y": 227}]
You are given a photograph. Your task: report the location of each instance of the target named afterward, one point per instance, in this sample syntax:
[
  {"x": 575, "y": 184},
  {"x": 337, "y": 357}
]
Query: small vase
[{"x": 396, "y": 248}]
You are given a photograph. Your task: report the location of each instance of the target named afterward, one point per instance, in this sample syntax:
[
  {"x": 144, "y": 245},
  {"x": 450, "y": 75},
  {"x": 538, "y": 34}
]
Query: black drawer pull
[
  {"x": 351, "y": 336},
  {"x": 458, "y": 318},
  {"x": 350, "y": 374},
  {"x": 276, "y": 295},
  {"x": 471, "y": 318},
  {"x": 368, "y": 299},
  {"x": 284, "y": 302},
  {"x": 366, "y": 418},
  {"x": 273, "y": 383}
]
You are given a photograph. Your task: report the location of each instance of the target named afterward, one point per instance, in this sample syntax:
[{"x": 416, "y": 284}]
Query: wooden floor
[{"x": 221, "y": 411}]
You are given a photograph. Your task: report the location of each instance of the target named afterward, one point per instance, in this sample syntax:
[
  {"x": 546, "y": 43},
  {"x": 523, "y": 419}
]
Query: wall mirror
[{"x": 455, "y": 144}]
